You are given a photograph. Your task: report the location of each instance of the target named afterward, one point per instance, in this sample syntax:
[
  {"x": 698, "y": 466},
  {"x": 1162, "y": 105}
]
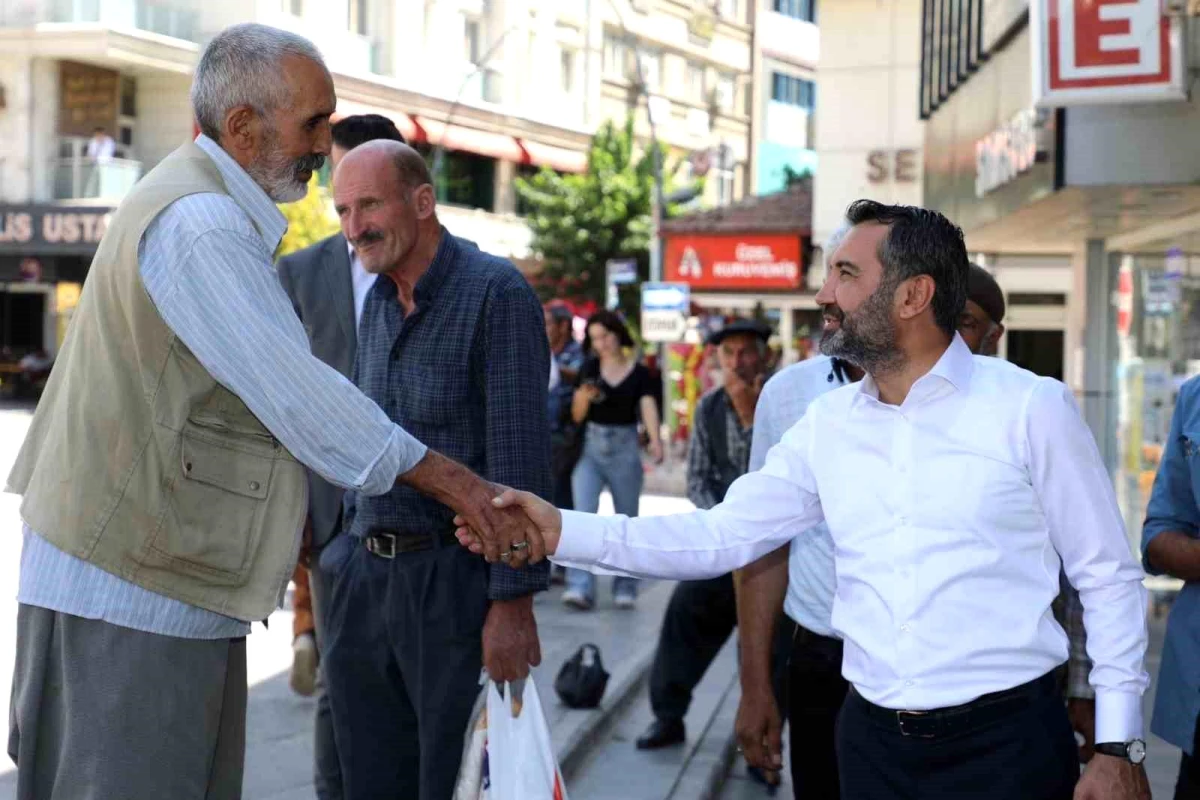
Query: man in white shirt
[
  {"x": 101, "y": 147},
  {"x": 954, "y": 488}
]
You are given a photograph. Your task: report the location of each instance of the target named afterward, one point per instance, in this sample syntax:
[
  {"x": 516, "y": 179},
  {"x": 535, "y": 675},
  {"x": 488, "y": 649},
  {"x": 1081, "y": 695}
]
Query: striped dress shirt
[{"x": 206, "y": 263}]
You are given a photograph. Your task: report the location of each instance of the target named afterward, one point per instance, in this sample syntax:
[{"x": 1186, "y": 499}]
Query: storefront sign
[
  {"x": 87, "y": 99},
  {"x": 52, "y": 229},
  {"x": 886, "y": 165},
  {"x": 1105, "y": 51},
  {"x": 756, "y": 261},
  {"x": 1009, "y": 151}
]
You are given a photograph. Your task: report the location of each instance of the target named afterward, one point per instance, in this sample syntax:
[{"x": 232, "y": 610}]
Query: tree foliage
[
  {"x": 309, "y": 220},
  {"x": 581, "y": 221}
]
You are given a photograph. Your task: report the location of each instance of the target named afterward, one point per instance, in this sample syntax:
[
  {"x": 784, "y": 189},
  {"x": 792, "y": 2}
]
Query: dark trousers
[
  {"x": 1026, "y": 753},
  {"x": 402, "y": 661},
  {"x": 699, "y": 619},
  {"x": 1187, "y": 786},
  {"x": 564, "y": 455},
  {"x": 816, "y": 691},
  {"x": 327, "y": 772}
]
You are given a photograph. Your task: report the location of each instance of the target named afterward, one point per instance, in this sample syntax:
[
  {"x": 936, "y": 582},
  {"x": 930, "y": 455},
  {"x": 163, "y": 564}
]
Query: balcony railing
[
  {"x": 176, "y": 19},
  {"x": 88, "y": 179}
]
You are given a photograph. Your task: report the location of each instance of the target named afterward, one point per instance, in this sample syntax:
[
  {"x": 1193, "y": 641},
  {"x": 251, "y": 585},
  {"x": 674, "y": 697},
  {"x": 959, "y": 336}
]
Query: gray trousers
[{"x": 101, "y": 712}]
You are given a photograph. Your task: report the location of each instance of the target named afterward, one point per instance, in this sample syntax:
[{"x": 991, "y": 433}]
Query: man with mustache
[
  {"x": 163, "y": 472},
  {"x": 954, "y": 489},
  {"x": 452, "y": 344},
  {"x": 327, "y": 285}
]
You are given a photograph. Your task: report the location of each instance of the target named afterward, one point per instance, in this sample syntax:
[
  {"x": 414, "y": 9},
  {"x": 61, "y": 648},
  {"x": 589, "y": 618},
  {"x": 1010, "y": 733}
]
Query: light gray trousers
[{"x": 101, "y": 712}]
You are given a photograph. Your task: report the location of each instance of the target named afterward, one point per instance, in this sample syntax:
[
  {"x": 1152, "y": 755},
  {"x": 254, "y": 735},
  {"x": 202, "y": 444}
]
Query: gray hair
[{"x": 241, "y": 67}]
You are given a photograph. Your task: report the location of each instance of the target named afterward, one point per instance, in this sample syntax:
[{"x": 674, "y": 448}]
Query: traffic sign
[
  {"x": 621, "y": 270},
  {"x": 664, "y": 311}
]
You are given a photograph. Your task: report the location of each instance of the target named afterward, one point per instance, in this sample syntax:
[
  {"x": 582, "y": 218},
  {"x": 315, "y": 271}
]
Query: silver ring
[
  {"x": 520, "y": 545},
  {"x": 506, "y": 555}
]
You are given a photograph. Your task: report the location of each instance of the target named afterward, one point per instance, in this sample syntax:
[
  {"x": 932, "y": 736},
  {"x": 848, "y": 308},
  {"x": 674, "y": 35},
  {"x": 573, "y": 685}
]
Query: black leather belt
[
  {"x": 949, "y": 721},
  {"x": 388, "y": 544}
]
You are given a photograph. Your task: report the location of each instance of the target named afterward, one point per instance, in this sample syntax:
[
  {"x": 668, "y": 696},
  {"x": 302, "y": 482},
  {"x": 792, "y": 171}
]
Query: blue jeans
[{"x": 611, "y": 457}]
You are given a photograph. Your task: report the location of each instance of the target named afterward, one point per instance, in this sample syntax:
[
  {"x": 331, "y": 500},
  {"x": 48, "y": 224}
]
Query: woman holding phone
[{"x": 615, "y": 391}]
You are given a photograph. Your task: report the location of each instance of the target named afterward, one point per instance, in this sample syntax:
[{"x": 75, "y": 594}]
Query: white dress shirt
[
  {"x": 782, "y": 403},
  {"x": 102, "y": 149},
  {"x": 949, "y": 514},
  {"x": 361, "y": 281}
]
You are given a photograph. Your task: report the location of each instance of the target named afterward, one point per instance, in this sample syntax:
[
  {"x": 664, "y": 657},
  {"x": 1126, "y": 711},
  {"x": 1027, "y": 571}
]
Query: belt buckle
[
  {"x": 912, "y": 718},
  {"x": 378, "y": 548}
]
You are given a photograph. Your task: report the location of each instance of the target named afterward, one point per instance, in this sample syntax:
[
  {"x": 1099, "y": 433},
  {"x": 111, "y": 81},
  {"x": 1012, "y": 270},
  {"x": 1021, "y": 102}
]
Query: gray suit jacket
[{"x": 318, "y": 280}]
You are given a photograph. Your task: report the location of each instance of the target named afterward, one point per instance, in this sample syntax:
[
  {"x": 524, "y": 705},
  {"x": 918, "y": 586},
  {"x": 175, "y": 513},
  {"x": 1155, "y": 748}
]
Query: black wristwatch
[{"x": 1132, "y": 751}]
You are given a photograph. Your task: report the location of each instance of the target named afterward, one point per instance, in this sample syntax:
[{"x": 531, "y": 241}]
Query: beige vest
[{"x": 137, "y": 460}]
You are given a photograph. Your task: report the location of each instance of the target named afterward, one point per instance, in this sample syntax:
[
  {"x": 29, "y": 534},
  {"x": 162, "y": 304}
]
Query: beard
[
  {"x": 867, "y": 337},
  {"x": 281, "y": 177}
]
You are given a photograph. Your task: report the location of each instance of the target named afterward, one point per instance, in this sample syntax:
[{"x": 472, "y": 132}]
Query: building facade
[
  {"x": 489, "y": 90},
  {"x": 787, "y": 48},
  {"x": 1054, "y": 136}
]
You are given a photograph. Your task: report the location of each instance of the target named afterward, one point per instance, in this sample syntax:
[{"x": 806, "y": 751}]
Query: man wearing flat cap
[{"x": 702, "y": 614}]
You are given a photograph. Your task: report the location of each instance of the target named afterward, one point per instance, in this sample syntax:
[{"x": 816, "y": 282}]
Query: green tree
[
  {"x": 310, "y": 220},
  {"x": 581, "y": 221}
]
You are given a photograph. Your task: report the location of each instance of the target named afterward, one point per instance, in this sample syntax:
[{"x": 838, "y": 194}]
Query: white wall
[
  {"x": 789, "y": 39},
  {"x": 866, "y": 100},
  {"x": 16, "y": 129}
]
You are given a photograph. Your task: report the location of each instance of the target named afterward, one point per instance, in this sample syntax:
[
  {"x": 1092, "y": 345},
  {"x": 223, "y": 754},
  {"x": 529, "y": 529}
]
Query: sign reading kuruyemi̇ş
[{"x": 758, "y": 261}]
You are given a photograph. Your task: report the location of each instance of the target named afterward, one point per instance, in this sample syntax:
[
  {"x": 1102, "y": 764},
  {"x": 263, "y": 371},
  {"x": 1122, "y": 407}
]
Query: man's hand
[
  {"x": 1082, "y": 713},
  {"x": 544, "y": 517},
  {"x": 510, "y": 639},
  {"x": 1111, "y": 778},
  {"x": 504, "y": 533},
  {"x": 759, "y": 729}
]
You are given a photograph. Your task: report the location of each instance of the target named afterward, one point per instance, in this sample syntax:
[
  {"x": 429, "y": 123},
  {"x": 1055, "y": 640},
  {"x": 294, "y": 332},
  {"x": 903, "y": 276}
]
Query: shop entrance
[
  {"x": 22, "y": 322},
  {"x": 1040, "y": 352}
]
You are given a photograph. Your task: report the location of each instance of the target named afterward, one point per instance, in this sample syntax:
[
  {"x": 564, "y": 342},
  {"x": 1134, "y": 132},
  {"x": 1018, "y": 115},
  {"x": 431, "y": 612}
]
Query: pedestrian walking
[
  {"x": 452, "y": 344},
  {"x": 702, "y": 614},
  {"x": 566, "y": 437},
  {"x": 1170, "y": 546},
  {"x": 954, "y": 487},
  {"x": 615, "y": 392},
  {"x": 163, "y": 471},
  {"x": 327, "y": 286}
]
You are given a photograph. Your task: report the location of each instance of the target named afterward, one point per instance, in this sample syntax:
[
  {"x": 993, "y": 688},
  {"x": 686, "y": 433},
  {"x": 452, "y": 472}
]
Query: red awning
[
  {"x": 404, "y": 123},
  {"x": 471, "y": 140},
  {"x": 559, "y": 158}
]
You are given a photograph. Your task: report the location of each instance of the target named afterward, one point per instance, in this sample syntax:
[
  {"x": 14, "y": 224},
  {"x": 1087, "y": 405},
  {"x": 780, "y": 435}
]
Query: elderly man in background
[
  {"x": 328, "y": 286},
  {"x": 452, "y": 344},
  {"x": 163, "y": 472}
]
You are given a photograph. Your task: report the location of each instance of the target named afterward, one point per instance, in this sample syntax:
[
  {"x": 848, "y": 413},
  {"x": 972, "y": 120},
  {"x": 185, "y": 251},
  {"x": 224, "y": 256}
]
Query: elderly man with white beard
[{"x": 163, "y": 474}]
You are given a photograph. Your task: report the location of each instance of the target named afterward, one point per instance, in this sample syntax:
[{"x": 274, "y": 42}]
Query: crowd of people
[{"x": 919, "y": 542}]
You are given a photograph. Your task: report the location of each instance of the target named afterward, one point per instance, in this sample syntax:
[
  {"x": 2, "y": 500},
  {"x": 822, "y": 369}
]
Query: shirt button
[
  {"x": 910, "y": 683},
  {"x": 254, "y": 486},
  {"x": 904, "y": 628}
]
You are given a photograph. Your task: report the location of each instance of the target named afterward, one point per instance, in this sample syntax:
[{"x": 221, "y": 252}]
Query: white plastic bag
[
  {"x": 473, "y": 779},
  {"x": 520, "y": 759}
]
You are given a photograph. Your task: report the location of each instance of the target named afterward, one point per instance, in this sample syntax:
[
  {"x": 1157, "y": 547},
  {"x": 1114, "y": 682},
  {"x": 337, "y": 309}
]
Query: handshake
[{"x": 501, "y": 524}]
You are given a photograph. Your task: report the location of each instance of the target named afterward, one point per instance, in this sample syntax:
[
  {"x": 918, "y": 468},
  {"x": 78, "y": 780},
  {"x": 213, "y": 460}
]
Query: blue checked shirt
[{"x": 466, "y": 374}]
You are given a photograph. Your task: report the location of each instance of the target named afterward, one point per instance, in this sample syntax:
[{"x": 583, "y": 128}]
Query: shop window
[
  {"x": 800, "y": 9},
  {"x": 128, "y": 96},
  {"x": 22, "y": 322},
  {"x": 793, "y": 91},
  {"x": 466, "y": 180}
]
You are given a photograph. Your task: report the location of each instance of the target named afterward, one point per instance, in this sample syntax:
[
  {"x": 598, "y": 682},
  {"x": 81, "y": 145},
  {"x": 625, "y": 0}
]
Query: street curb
[
  {"x": 575, "y": 749},
  {"x": 711, "y": 758}
]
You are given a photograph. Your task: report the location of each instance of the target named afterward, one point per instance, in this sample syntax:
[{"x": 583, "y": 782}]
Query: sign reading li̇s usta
[
  {"x": 52, "y": 229},
  {"x": 1105, "y": 51},
  {"x": 713, "y": 261}
]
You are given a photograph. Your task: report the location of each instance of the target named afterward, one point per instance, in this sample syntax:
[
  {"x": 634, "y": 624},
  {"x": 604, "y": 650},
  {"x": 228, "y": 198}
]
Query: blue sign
[{"x": 666, "y": 297}]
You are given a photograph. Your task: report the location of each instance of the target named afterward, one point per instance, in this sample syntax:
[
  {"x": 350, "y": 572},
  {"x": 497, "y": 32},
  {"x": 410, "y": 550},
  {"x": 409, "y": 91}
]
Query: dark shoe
[{"x": 662, "y": 733}]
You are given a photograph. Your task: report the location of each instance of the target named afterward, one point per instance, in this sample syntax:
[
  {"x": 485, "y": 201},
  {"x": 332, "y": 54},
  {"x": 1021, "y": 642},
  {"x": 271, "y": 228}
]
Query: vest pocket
[{"x": 217, "y": 505}]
